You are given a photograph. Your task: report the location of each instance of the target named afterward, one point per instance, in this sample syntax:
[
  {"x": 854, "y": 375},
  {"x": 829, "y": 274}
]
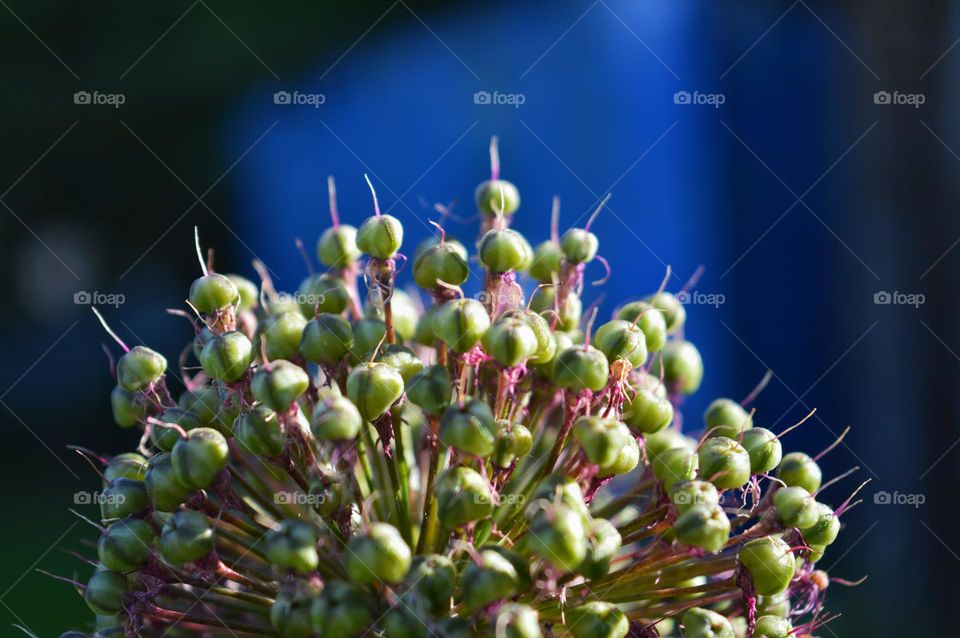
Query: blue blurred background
[{"x": 751, "y": 138}]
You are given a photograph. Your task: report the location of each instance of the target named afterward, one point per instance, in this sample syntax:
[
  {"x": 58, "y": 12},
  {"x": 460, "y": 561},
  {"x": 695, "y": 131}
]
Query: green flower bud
[
  {"x": 512, "y": 440},
  {"x": 259, "y": 432},
  {"x": 293, "y": 545},
  {"x": 569, "y": 314},
  {"x": 603, "y": 544},
  {"x": 579, "y": 245},
  {"x": 322, "y": 292},
  {"x": 825, "y": 530},
  {"x": 337, "y": 246},
  {"x": 795, "y": 507},
  {"x": 510, "y": 341},
  {"x": 278, "y": 385},
  {"x": 776, "y": 605},
  {"x": 578, "y": 368},
  {"x": 462, "y": 496},
  {"x": 649, "y": 410},
  {"x": 503, "y": 250},
  {"x": 799, "y": 470},
  {"x": 326, "y": 339},
  {"x": 489, "y": 194},
  {"x": 770, "y": 564},
  {"x": 546, "y": 261},
  {"x": 290, "y": 614},
  {"x": 673, "y": 311},
  {"x": 367, "y": 335},
  {"x": 335, "y": 418},
  {"x": 106, "y": 592},
  {"x": 460, "y": 323},
  {"x": 725, "y": 417},
  {"x": 424, "y": 334},
  {"x": 665, "y": 440},
  {"x": 430, "y": 389},
  {"x": 514, "y": 620},
  {"x": 380, "y": 236},
  {"x": 724, "y": 463},
  {"x": 764, "y": 449},
  {"x": 703, "y": 623},
  {"x": 470, "y": 428},
  {"x": 703, "y": 526},
  {"x": 620, "y": 339},
  {"x": 341, "y": 610},
  {"x": 772, "y": 627},
  {"x": 379, "y": 554},
  {"x": 140, "y": 368},
  {"x": 686, "y": 494},
  {"x": 123, "y": 497},
  {"x": 674, "y": 465},
  {"x": 281, "y": 334},
  {"x": 557, "y": 535},
  {"x": 125, "y": 545},
  {"x": 492, "y": 578},
  {"x": 603, "y": 440},
  {"x": 404, "y": 314},
  {"x": 373, "y": 388},
  {"x": 433, "y": 576},
  {"x": 187, "y": 536},
  {"x": 443, "y": 262},
  {"x": 226, "y": 357},
  {"x": 163, "y": 484},
  {"x": 198, "y": 458},
  {"x": 127, "y": 410},
  {"x": 248, "y": 291},
  {"x": 163, "y": 437},
  {"x": 212, "y": 293},
  {"x": 597, "y": 619},
  {"x": 682, "y": 366},
  {"x": 402, "y": 359},
  {"x": 127, "y": 465},
  {"x": 651, "y": 322}
]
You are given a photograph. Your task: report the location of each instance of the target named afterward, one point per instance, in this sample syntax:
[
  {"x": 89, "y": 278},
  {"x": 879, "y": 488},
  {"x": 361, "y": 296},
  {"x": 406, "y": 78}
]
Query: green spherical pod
[
  {"x": 380, "y": 236},
  {"x": 557, "y": 535},
  {"x": 651, "y": 321},
  {"x": 293, "y": 545},
  {"x": 442, "y": 262},
  {"x": 578, "y": 368},
  {"x": 216, "y": 406},
  {"x": 799, "y": 470},
  {"x": 404, "y": 311},
  {"x": 601, "y": 438},
  {"x": 378, "y": 555},
  {"x": 825, "y": 530},
  {"x": 469, "y": 428},
  {"x": 106, "y": 592},
  {"x": 620, "y": 339},
  {"x": 290, "y": 614},
  {"x": 648, "y": 410},
  {"x": 424, "y": 333},
  {"x": 164, "y": 437},
  {"x": 603, "y": 544},
  {"x": 127, "y": 465},
  {"x": 213, "y": 293},
  {"x": 227, "y": 357},
  {"x": 326, "y": 339},
  {"x": 248, "y": 291},
  {"x": 259, "y": 432},
  {"x": 764, "y": 449},
  {"x": 504, "y": 250},
  {"x": 278, "y": 384},
  {"x": 686, "y": 494},
  {"x": 337, "y": 246},
  {"x": 579, "y": 245},
  {"x": 597, "y": 619},
  {"x": 795, "y": 507},
  {"x": 673, "y": 311},
  {"x": 674, "y": 465},
  {"x": 281, "y": 334},
  {"x": 198, "y": 458},
  {"x": 703, "y": 623},
  {"x": 682, "y": 366},
  {"x": 772, "y": 627},
  {"x": 546, "y": 261},
  {"x": 460, "y": 323},
  {"x": 434, "y": 577},
  {"x": 123, "y": 497},
  {"x": 140, "y": 368},
  {"x": 368, "y": 333},
  {"x": 724, "y": 463},
  {"x": 510, "y": 341},
  {"x": 514, "y": 620},
  {"x": 568, "y": 316},
  {"x": 725, "y": 417},
  {"x": 127, "y": 409},
  {"x": 497, "y": 197},
  {"x": 492, "y": 578},
  {"x": 163, "y": 484},
  {"x": 322, "y": 293},
  {"x": 462, "y": 496},
  {"x": 512, "y": 440},
  {"x": 430, "y": 389},
  {"x": 126, "y": 545},
  {"x": 335, "y": 418},
  {"x": 770, "y": 564},
  {"x": 402, "y": 359},
  {"x": 373, "y": 388},
  {"x": 341, "y": 610},
  {"x": 664, "y": 440},
  {"x": 703, "y": 526},
  {"x": 187, "y": 536}
]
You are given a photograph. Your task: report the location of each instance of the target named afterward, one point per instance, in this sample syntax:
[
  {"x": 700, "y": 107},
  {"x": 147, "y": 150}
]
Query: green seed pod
[
  {"x": 772, "y": 627},
  {"x": 402, "y": 359},
  {"x": 603, "y": 544},
  {"x": 140, "y": 368},
  {"x": 433, "y": 576},
  {"x": 597, "y": 619},
  {"x": 579, "y": 245},
  {"x": 514, "y": 620},
  {"x": 724, "y": 463},
  {"x": 546, "y": 344},
  {"x": 163, "y": 485},
  {"x": 703, "y": 623},
  {"x": 322, "y": 293},
  {"x": 379, "y": 554},
  {"x": 510, "y": 341},
  {"x": 674, "y": 465},
  {"x": 127, "y": 410},
  {"x": 649, "y": 410},
  {"x": 226, "y": 357},
  {"x": 335, "y": 418},
  {"x": 163, "y": 437},
  {"x": 281, "y": 334},
  {"x": 337, "y": 246},
  {"x": 557, "y": 535},
  {"x": 380, "y": 236},
  {"x": 293, "y": 545},
  {"x": 546, "y": 261},
  {"x": 764, "y": 449},
  {"x": 290, "y": 614},
  {"x": 470, "y": 428},
  {"x": 278, "y": 385},
  {"x": 434, "y": 240},
  {"x": 424, "y": 334},
  {"x": 682, "y": 366},
  {"x": 443, "y": 262},
  {"x": 198, "y": 458},
  {"x": 651, "y": 322},
  {"x": 665, "y": 440},
  {"x": 460, "y": 323},
  {"x": 127, "y": 465},
  {"x": 795, "y": 507},
  {"x": 126, "y": 545},
  {"x": 259, "y": 432},
  {"x": 503, "y": 250},
  {"x": 326, "y": 497},
  {"x": 213, "y": 293},
  {"x": 203, "y": 336},
  {"x": 489, "y": 194},
  {"x": 562, "y": 341},
  {"x": 430, "y": 389},
  {"x": 569, "y": 315},
  {"x": 341, "y": 610},
  {"x": 770, "y": 564},
  {"x": 404, "y": 311},
  {"x": 373, "y": 388},
  {"x": 601, "y": 439},
  {"x": 703, "y": 526},
  {"x": 248, "y": 291},
  {"x": 776, "y": 605},
  {"x": 123, "y": 497},
  {"x": 673, "y": 311},
  {"x": 492, "y": 578},
  {"x": 512, "y": 440},
  {"x": 326, "y": 339},
  {"x": 799, "y": 470},
  {"x": 620, "y": 339},
  {"x": 578, "y": 368},
  {"x": 462, "y": 496},
  {"x": 560, "y": 490},
  {"x": 686, "y": 494},
  {"x": 825, "y": 530},
  {"x": 106, "y": 592},
  {"x": 725, "y": 417},
  {"x": 187, "y": 536},
  {"x": 367, "y": 335}
]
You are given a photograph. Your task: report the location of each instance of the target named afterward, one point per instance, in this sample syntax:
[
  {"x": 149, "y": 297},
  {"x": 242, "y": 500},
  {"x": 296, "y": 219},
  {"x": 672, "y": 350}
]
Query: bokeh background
[{"x": 810, "y": 166}]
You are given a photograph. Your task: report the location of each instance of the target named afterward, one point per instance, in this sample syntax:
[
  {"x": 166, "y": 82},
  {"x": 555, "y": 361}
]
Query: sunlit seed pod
[
  {"x": 140, "y": 368},
  {"x": 769, "y": 562},
  {"x": 430, "y": 389},
  {"x": 647, "y": 410},
  {"x": 216, "y": 406},
  {"x": 704, "y": 623},
  {"x": 127, "y": 409},
  {"x": 546, "y": 261},
  {"x": 368, "y": 333},
  {"x": 772, "y": 627},
  {"x": 380, "y": 236},
  {"x": 795, "y": 507},
  {"x": 187, "y": 536},
  {"x": 462, "y": 496},
  {"x": 402, "y": 359},
  {"x": 488, "y": 197},
  {"x": 378, "y": 555},
  {"x": 490, "y": 579},
  {"x": 725, "y": 417},
  {"x": 125, "y": 545},
  {"x": 293, "y": 546},
  {"x": 403, "y": 311},
  {"x": 515, "y": 620},
  {"x": 504, "y": 250},
  {"x": 337, "y": 247},
  {"x": 227, "y": 357},
  {"x": 686, "y": 494},
  {"x": 106, "y": 592},
  {"x": 281, "y": 334},
  {"x": 682, "y": 366},
  {"x": 127, "y": 465},
  {"x": 247, "y": 290},
  {"x": 434, "y": 576},
  {"x": 461, "y": 323},
  {"x": 278, "y": 385},
  {"x": 620, "y": 339},
  {"x": 373, "y": 388},
  {"x": 579, "y": 245},
  {"x": 322, "y": 293},
  {"x": 198, "y": 458},
  {"x": 424, "y": 333},
  {"x": 673, "y": 311},
  {"x": 167, "y": 492},
  {"x": 703, "y": 526},
  {"x": 825, "y": 530},
  {"x": 512, "y": 440},
  {"x": 724, "y": 463},
  {"x": 444, "y": 262},
  {"x": 557, "y": 536},
  {"x": 674, "y": 465},
  {"x": 335, "y": 418},
  {"x": 597, "y": 619},
  {"x": 258, "y": 431},
  {"x": 651, "y": 321},
  {"x": 568, "y": 314},
  {"x": 213, "y": 293},
  {"x": 326, "y": 339},
  {"x": 469, "y": 428},
  {"x": 578, "y": 368},
  {"x": 799, "y": 470},
  {"x": 602, "y": 545},
  {"x": 668, "y": 439},
  {"x": 510, "y": 341},
  {"x": 600, "y": 438},
  {"x": 163, "y": 437},
  {"x": 764, "y": 449},
  {"x": 775, "y": 605}
]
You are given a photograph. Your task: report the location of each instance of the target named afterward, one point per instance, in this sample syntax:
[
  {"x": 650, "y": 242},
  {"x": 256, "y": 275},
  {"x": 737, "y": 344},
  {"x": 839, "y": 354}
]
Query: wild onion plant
[{"x": 484, "y": 466}]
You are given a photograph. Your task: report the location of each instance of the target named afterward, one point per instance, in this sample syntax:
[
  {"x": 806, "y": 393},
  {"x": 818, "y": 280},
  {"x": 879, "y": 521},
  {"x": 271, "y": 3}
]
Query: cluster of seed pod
[{"x": 486, "y": 466}]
